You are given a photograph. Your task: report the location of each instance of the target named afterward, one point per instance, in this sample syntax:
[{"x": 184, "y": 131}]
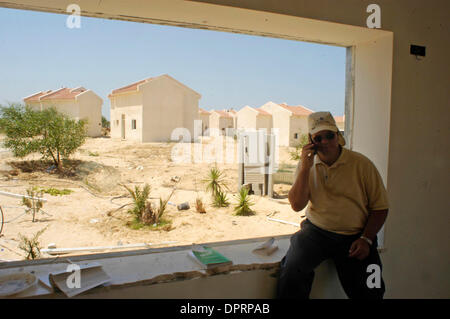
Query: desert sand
[{"x": 89, "y": 217}]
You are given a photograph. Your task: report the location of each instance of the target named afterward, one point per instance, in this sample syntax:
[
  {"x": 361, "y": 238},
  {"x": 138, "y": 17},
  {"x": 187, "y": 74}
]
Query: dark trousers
[{"x": 312, "y": 245}]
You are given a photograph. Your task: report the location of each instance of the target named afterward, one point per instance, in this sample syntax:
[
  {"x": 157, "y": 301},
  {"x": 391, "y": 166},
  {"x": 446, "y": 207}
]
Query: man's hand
[
  {"x": 359, "y": 249},
  {"x": 307, "y": 156}
]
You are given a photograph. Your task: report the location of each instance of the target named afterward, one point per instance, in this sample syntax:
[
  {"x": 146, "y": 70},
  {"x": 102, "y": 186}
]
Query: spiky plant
[
  {"x": 33, "y": 203},
  {"x": 220, "y": 199},
  {"x": 31, "y": 246},
  {"x": 139, "y": 197},
  {"x": 152, "y": 215},
  {"x": 162, "y": 207},
  {"x": 242, "y": 207},
  {"x": 215, "y": 182}
]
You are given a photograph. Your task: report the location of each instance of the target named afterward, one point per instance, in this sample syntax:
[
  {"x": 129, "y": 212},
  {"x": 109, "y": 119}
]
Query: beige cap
[{"x": 319, "y": 121}]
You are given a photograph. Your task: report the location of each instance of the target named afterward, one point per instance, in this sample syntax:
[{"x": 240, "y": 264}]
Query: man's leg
[
  {"x": 307, "y": 250},
  {"x": 361, "y": 279}
]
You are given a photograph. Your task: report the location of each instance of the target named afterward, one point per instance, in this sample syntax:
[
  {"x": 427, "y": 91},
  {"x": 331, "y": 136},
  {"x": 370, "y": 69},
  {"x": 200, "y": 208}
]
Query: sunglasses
[{"x": 329, "y": 136}]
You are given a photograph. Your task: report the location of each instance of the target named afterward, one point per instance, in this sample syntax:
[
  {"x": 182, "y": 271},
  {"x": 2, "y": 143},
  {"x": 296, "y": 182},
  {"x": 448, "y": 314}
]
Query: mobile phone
[{"x": 312, "y": 142}]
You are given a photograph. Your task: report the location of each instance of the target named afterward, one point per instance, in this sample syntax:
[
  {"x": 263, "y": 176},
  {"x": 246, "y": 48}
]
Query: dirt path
[{"x": 101, "y": 165}]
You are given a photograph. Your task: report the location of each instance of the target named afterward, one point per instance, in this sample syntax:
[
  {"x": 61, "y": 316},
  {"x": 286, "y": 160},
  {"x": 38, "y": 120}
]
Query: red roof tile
[
  {"x": 130, "y": 87},
  {"x": 261, "y": 111},
  {"x": 297, "y": 110},
  {"x": 35, "y": 97},
  {"x": 202, "y": 111},
  {"x": 223, "y": 113},
  {"x": 62, "y": 94},
  {"x": 339, "y": 118}
]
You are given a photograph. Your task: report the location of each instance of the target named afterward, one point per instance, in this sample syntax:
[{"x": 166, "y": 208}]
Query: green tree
[
  {"x": 295, "y": 155},
  {"x": 105, "y": 123},
  {"x": 52, "y": 134}
]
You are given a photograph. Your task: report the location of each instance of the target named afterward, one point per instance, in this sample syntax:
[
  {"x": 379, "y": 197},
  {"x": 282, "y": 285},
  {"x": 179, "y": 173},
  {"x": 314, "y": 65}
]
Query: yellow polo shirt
[{"x": 341, "y": 195}]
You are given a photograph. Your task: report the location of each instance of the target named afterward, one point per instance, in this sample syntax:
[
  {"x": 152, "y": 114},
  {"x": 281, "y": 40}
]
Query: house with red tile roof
[
  {"x": 222, "y": 122},
  {"x": 291, "y": 121},
  {"x": 151, "y": 109},
  {"x": 78, "y": 103},
  {"x": 254, "y": 119}
]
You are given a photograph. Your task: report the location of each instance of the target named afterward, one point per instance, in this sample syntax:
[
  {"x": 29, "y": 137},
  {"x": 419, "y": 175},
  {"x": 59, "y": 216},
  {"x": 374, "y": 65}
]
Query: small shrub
[
  {"x": 243, "y": 203},
  {"x": 145, "y": 213},
  {"x": 220, "y": 199},
  {"x": 153, "y": 215},
  {"x": 93, "y": 153},
  {"x": 31, "y": 246},
  {"x": 139, "y": 197},
  {"x": 57, "y": 192},
  {"x": 34, "y": 205}
]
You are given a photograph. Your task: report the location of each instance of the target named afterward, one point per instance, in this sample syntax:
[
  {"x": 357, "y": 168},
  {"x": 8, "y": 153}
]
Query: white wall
[
  {"x": 297, "y": 124},
  {"x": 246, "y": 118},
  {"x": 90, "y": 106},
  {"x": 264, "y": 122},
  {"x": 281, "y": 121},
  {"x": 130, "y": 105},
  {"x": 68, "y": 107},
  {"x": 167, "y": 106}
]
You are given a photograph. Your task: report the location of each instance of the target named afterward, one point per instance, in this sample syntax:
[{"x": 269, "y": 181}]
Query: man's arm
[
  {"x": 360, "y": 248},
  {"x": 299, "y": 193},
  {"x": 374, "y": 223}
]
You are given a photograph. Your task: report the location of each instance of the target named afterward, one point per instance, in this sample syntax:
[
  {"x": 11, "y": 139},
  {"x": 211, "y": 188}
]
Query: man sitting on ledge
[{"x": 348, "y": 205}]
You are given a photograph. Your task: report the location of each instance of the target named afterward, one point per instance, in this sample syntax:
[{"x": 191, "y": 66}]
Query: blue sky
[{"x": 38, "y": 52}]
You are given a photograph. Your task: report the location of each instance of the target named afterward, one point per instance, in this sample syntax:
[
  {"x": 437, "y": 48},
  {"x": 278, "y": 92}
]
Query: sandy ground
[{"x": 84, "y": 217}]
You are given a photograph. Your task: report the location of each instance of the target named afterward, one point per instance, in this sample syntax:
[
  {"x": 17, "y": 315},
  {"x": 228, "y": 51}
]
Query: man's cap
[{"x": 319, "y": 121}]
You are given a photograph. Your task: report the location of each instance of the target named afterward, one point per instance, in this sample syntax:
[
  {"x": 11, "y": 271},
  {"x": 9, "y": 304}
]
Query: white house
[
  {"x": 222, "y": 122},
  {"x": 151, "y": 109},
  {"x": 292, "y": 121},
  {"x": 253, "y": 118},
  {"x": 78, "y": 103}
]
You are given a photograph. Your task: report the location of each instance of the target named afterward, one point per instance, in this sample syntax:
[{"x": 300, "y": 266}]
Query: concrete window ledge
[
  {"x": 149, "y": 267},
  {"x": 170, "y": 273}
]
